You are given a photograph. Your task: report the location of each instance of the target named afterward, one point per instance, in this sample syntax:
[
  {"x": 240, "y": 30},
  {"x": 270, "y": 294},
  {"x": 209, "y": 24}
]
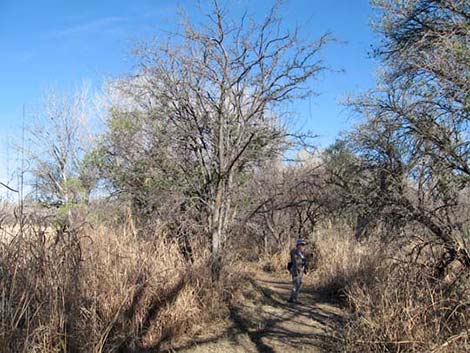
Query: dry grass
[
  {"x": 396, "y": 306},
  {"x": 102, "y": 290},
  {"x": 276, "y": 262},
  {"x": 408, "y": 311},
  {"x": 344, "y": 262},
  {"x": 108, "y": 290}
]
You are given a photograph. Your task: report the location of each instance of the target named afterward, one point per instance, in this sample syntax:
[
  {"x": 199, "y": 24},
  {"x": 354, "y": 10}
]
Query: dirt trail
[{"x": 266, "y": 322}]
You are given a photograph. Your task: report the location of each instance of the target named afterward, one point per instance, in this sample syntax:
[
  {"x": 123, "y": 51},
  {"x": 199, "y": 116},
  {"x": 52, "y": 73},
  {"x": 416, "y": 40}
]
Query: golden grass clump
[
  {"x": 101, "y": 290},
  {"x": 396, "y": 305},
  {"x": 343, "y": 261},
  {"x": 409, "y": 311}
]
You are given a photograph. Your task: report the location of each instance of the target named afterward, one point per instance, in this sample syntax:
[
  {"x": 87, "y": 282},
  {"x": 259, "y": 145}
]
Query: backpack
[{"x": 289, "y": 266}]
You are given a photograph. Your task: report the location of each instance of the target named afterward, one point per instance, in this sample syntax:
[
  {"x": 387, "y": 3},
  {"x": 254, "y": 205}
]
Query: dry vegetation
[
  {"x": 141, "y": 237},
  {"x": 396, "y": 305},
  {"x": 106, "y": 289},
  {"x": 102, "y": 289}
]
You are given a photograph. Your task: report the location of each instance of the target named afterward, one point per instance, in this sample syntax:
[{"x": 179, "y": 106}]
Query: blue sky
[{"x": 60, "y": 43}]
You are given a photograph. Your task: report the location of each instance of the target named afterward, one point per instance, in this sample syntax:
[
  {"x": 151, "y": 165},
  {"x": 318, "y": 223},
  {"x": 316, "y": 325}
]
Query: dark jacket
[{"x": 297, "y": 257}]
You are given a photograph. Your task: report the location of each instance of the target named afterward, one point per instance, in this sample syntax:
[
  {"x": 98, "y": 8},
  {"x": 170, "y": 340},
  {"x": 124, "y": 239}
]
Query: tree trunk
[
  {"x": 217, "y": 232},
  {"x": 216, "y": 265}
]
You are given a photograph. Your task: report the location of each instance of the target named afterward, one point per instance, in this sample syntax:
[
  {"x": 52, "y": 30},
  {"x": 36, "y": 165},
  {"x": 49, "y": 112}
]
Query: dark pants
[{"x": 297, "y": 284}]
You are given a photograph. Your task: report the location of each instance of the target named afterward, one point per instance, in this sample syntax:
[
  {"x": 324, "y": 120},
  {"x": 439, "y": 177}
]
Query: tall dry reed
[
  {"x": 100, "y": 290},
  {"x": 396, "y": 304}
]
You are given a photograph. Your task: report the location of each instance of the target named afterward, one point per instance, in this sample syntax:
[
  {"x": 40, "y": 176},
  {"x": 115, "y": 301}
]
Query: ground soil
[{"x": 265, "y": 322}]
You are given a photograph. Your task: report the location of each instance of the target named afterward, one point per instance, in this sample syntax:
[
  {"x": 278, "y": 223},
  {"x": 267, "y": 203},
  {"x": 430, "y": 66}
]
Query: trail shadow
[
  {"x": 296, "y": 326},
  {"x": 255, "y": 337},
  {"x": 311, "y": 298},
  {"x": 277, "y": 326}
]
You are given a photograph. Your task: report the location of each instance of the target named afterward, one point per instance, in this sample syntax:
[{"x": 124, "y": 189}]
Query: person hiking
[{"x": 297, "y": 268}]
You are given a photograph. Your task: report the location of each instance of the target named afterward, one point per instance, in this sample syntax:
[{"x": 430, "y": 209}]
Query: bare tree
[
  {"x": 285, "y": 204},
  {"x": 57, "y": 142},
  {"x": 213, "y": 94},
  {"x": 415, "y": 144}
]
